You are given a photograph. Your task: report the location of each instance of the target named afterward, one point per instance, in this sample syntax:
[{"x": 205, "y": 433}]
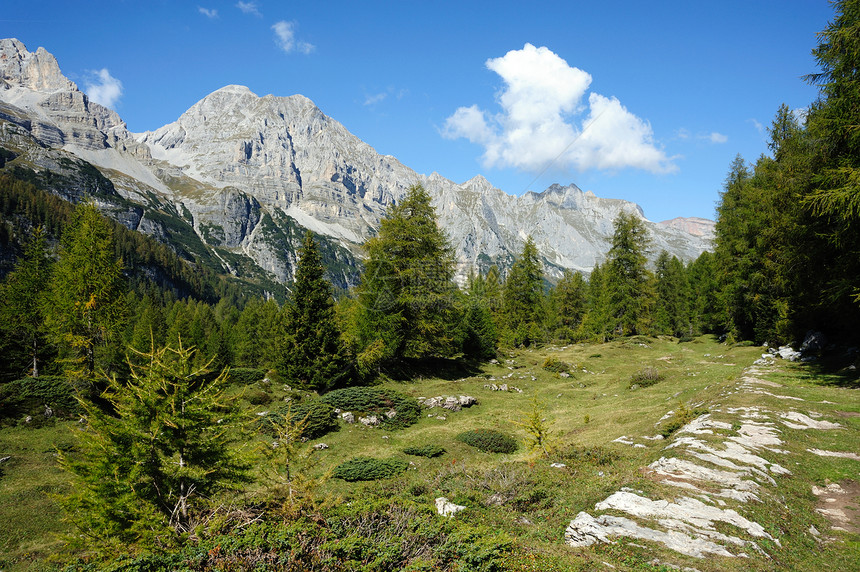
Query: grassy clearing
[{"x": 588, "y": 406}]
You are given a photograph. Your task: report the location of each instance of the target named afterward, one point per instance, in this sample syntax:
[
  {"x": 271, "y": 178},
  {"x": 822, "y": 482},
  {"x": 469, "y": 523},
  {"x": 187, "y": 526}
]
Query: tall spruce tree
[
  {"x": 523, "y": 298},
  {"x": 314, "y": 355},
  {"x": 22, "y": 303},
  {"x": 86, "y": 301},
  {"x": 671, "y": 311},
  {"x": 406, "y": 298},
  {"x": 628, "y": 281},
  {"x": 568, "y": 305}
]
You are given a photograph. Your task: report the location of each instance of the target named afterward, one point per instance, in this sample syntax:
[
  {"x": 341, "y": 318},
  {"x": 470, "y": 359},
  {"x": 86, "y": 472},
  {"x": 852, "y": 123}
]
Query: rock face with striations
[{"x": 246, "y": 174}]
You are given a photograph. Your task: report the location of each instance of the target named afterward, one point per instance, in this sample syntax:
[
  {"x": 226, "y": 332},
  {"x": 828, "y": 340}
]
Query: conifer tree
[
  {"x": 568, "y": 305},
  {"x": 627, "y": 278},
  {"x": 22, "y": 301},
  {"x": 313, "y": 355},
  {"x": 596, "y": 323},
  {"x": 406, "y": 297},
  {"x": 86, "y": 302},
  {"x": 523, "y": 298},
  {"x": 142, "y": 470},
  {"x": 671, "y": 312}
]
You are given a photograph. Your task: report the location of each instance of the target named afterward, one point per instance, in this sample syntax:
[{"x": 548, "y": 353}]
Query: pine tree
[
  {"x": 627, "y": 279},
  {"x": 671, "y": 311},
  {"x": 596, "y": 323},
  {"x": 568, "y": 305},
  {"x": 22, "y": 301},
  {"x": 523, "y": 298},
  {"x": 86, "y": 303},
  {"x": 406, "y": 297},
  {"x": 314, "y": 356}
]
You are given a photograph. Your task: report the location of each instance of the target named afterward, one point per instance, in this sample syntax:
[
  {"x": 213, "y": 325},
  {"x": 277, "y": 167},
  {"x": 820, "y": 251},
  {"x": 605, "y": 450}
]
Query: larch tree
[
  {"x": 406, "y": 300},
  {"x": 86, "y": 301}
]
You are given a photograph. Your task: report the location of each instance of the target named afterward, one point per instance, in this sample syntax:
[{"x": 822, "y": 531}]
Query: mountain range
[{"x": 236, "y": 179}]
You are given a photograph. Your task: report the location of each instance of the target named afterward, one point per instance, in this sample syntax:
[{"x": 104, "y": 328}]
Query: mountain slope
[{"x": 246, "y": 174}]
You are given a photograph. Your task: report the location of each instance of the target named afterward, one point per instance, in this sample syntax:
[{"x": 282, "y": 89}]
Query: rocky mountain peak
[{"x": 37, "y": 71}]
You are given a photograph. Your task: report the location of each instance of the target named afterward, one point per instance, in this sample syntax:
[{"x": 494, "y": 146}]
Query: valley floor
[{"x": 719, "y": 464}]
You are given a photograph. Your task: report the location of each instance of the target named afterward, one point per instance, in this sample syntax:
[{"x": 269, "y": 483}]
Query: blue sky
[{"x": 644, "y": 101}]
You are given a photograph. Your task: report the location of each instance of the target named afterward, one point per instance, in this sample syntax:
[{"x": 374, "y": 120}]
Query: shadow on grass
[
  {"x": 832, "y": 371},
  {"x": 448, "y": 369}
]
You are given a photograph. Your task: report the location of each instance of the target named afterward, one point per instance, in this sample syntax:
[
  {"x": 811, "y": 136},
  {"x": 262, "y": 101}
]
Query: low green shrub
[
  {"x": 555, "y": 365},
  {"x": 259, "y": 397},
  {"x": 428, "y": 451},
  {"x": 488, "y": 440},
  {"x": 376, "y": 401},
  {"x": 246, "y": 375},
  {"x": 682, "y": 416},
  {"x": 369, "y": 469},
  {"x": 645, "y": 377},
  {"x": 589, "y": 455},
  {"x": 319, "y": 417}
]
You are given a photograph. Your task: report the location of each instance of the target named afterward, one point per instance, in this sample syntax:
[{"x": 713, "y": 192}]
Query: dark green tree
[
  {"x": 568, "y": 302},
  {"x": 671, "y": 309},
  {"x": 628, "y": 281},
  {"x": 314, "y": 355},
  {"x": 523, "y": 303},
  {"x": 596, "y": 323},
  {"x": 22, "y": 302},
  {"x": 406, "y": 298}
]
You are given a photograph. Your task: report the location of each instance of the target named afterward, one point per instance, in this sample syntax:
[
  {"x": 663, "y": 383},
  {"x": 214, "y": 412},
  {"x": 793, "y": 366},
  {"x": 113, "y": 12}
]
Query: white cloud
[
  {"x": 285, "y": 37},
  {"x": 103, "y": 88},
  {"x": 249, "y": 8},
  {"x": 374, "y": 99},
  {"x": 545, "y": 121},
  {"x": 716, "y": 137},
  {"x": 758, "y": 126},
  {"x": 208, "y": 12}
]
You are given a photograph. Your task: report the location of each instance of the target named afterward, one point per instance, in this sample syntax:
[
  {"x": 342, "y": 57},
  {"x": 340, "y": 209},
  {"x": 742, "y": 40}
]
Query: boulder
[
  {"x": 369, "y": 421},
  {"x": 446, "y": 508},
  {"x": 813, "y": 342},
  {"x": 788, "y": 353},
  {"x": 348, "y": 417}
]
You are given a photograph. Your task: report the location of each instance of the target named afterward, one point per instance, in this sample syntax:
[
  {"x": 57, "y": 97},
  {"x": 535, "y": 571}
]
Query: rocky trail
[{"x": 721, "y": 472}]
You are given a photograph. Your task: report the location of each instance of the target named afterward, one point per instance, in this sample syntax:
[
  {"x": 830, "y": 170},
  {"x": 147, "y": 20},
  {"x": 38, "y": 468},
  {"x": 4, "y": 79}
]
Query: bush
[
  {"x": 376, "y": 401},
  {"x": 369, "y": 469},
  {"x": 555, "y": 365},
  {"x": 589, "y": 455},
  {"x": 428, "y": 451},
  {"x": 319, "y": 418},
  {"x": 645, "y": 377},
  {"x": 682, "y": 416},
  {"x": 259, "y": 397},
  {"x": 246, "y": 375},
  {"x": 488, "y": 440}
]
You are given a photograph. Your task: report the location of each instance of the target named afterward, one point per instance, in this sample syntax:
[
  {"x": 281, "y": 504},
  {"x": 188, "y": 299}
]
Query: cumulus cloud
[
  {"x": 208, "y": 12},
  {"x": 103, "y": 88},
  {"x": 249, "y": 8},
  {"x": 547, "y": 119},
  {"x": 285, "y": 38},
  {"x": 716, "y": 137}
]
